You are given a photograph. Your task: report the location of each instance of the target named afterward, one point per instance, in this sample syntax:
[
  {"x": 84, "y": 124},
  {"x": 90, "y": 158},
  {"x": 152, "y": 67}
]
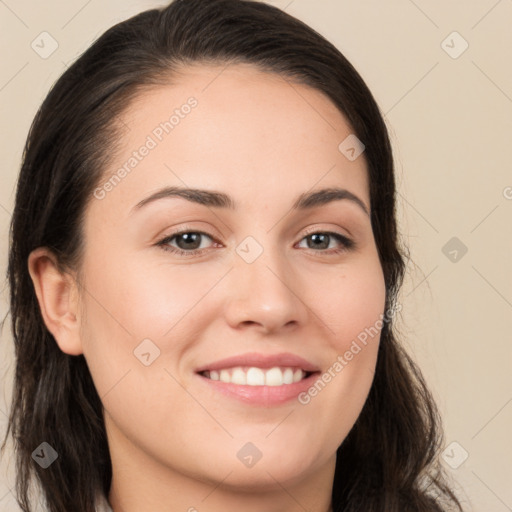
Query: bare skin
[{"x": 173, "y": 437}]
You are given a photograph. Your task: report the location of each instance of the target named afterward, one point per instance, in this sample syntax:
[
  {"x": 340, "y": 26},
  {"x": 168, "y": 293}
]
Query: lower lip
[{"x": 262, "y": 395}]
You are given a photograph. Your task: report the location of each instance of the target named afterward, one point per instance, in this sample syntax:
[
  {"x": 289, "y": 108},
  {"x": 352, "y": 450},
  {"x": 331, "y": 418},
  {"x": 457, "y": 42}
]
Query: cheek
[
  {"x": 352, "y": 309},
  {"x": 128, "y": 302},
  {"x": 350, "y": 301},
  {"x": 148, "y": 300}
]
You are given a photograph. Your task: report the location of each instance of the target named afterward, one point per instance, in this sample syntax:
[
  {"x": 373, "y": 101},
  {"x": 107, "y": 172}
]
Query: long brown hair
[{"x": 389, "y": 460}]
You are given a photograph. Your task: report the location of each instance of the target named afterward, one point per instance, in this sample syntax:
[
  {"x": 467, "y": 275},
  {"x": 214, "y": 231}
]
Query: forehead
[{"x": 232, "y": 126}]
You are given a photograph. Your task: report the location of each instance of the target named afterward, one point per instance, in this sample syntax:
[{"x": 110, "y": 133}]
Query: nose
[{"x": 265, "y": 295}]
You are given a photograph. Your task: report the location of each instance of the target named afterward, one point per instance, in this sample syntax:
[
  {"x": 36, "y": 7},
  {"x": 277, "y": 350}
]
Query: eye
[
  {"x": 321, "y": 240},
  {"x": 188, "y": 242}
]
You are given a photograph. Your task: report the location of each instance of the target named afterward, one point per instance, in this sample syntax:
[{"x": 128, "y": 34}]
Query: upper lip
[{"x": 254, "y": 359}]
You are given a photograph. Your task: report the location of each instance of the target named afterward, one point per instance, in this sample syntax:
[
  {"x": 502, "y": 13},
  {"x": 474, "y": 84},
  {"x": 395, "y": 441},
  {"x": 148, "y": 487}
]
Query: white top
[{"x": 102, "y": 504}]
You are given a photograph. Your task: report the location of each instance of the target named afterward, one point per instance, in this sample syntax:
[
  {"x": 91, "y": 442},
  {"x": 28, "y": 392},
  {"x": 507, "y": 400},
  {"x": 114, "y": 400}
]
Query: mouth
[
  {"x": 260, "y": 379},
  {"x": 254, "y": 376}
]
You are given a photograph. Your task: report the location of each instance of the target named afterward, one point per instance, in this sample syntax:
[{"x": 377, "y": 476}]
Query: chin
[{"x": 277, "y": 467}]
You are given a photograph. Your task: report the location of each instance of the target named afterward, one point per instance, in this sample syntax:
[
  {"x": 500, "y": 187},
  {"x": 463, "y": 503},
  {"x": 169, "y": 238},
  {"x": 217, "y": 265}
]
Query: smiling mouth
[{"x": 254, "y": 376}]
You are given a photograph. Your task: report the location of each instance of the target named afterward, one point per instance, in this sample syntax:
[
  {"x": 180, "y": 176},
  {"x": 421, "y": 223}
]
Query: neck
[{"x": 201, "y": 497}]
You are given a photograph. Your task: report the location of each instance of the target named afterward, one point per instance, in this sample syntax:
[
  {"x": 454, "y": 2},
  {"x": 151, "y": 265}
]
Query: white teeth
[
  {"x": 252, "y": 376},
  {"x": 288, "y": 376},
  {"x": 238, "y": 376},
  {"x": 274, "y": 377},
  {"x": 255, "y": 377}
]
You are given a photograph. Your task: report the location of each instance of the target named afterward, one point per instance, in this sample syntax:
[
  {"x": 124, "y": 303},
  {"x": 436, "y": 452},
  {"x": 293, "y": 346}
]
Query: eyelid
[
  {"x": 318, "y": 229},
  {"x": 185, "y": 228}
]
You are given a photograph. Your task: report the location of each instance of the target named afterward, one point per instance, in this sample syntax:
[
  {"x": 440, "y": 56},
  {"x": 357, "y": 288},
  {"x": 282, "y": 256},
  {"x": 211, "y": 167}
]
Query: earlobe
[{"x": 57, "y": 296}]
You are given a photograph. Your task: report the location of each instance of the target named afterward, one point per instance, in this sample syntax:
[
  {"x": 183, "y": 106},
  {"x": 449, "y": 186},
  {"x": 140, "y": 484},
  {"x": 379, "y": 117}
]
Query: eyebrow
[{"x": 215, "y": 199}]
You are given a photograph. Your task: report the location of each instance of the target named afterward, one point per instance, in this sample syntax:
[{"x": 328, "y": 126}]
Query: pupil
[
  {"x": 317, "y": 236},
  {"x": 189, "y": 238}
]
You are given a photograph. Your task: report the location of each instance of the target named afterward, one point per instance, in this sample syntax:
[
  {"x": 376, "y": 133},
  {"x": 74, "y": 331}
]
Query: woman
[{"x": 257, "y": 368}]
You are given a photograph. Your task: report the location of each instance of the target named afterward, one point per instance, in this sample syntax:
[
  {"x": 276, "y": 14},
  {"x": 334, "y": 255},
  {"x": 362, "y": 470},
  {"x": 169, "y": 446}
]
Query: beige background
[{"x": 451, "y": 124}]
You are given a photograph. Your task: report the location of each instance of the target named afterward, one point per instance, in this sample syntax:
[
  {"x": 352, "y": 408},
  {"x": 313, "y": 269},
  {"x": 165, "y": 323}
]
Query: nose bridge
[{"x": 264, "y": 288}]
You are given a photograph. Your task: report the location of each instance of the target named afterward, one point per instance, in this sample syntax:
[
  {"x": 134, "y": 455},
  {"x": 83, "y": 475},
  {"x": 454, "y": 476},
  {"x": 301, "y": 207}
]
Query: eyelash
[{"x": 347, "y": 243}]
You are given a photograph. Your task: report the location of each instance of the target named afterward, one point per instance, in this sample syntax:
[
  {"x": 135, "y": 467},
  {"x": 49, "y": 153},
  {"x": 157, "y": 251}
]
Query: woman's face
[{"x": 254, "y": 285}]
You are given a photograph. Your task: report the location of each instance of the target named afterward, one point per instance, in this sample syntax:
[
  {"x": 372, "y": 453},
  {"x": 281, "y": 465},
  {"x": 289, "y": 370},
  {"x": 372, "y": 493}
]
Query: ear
[{"x": 57, "y": 295}]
